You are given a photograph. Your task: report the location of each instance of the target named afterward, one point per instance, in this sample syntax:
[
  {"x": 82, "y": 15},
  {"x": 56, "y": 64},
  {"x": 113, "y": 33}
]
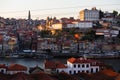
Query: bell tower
[{"x": 29, "y": 15}]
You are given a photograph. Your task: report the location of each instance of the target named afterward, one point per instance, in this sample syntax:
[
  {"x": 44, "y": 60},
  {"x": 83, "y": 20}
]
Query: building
[
  {"x": 12, "y": 68},
  {"x": 74, "y": 66},
  {"x": 3, "y": 68},
  {"x": 44, "y": 44},
  {"x": 57, "y": 26},
  {"x": 107, "y": 33},
  {"x": 29, "y": 15},
  {"x": 80, "y": 24},
  {"x": 89, "y": 15},
  {"x": 16, "y": 68}
]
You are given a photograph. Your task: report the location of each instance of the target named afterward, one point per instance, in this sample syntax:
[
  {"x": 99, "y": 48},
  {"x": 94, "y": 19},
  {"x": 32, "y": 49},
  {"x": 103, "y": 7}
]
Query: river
[{"x": 115, "y": 63}]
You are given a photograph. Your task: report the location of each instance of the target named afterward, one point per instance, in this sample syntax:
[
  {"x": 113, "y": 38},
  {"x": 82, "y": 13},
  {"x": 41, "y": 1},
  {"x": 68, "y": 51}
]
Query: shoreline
[{"x": 61, "y": 56}]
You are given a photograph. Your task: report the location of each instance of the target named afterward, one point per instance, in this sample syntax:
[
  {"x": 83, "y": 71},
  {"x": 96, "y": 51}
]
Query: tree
[
  {"x": 45, "y": 33},
  {"x": 89, "y": 36},
  {"x": 115, "y": 13},
  {"x": 119, "y": 14},
  {"x": 101, "y": 14}
]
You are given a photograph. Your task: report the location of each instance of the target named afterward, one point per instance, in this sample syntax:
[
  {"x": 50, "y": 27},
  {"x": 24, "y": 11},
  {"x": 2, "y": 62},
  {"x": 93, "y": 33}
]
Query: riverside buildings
[
  {"x": 74, "y": 66},
  {"x": 19, "y": 35}
]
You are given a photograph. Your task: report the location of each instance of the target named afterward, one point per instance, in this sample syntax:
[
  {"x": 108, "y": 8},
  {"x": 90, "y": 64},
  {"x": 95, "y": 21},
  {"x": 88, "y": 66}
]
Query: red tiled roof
[
  {"x": 17, "y": 67},
  {"x": 53, "y": 65},
  {"x": 42, "y": 76},
  {"x": 109, "y": 72},
  {"x": 21, "y": 76},
  {"x": 49, "y": 64},
  {"x": 80, "y": 60},
  {"x": 60, "y": 65},
  {"x": 2, "y": 66}
]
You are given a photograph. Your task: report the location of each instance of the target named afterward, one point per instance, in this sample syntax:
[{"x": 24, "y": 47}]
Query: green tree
[
  {"x": 119, "y": 14},
  {"x": 89, "y": 36},
  {"x": 45, "y": 33},
  {"x": 115, "y": 13}
]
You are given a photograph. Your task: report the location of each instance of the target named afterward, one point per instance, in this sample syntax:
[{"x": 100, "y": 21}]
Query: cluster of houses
[
  {"x": 73, "y": 66},
  {"x": 23, "y": 35},
  {"x": 18, "y": 68}
]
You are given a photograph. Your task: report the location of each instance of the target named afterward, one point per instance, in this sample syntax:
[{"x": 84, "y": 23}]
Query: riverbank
[
  {"x": 62, "y": 55},
  {"x": 92, "y": 56}
]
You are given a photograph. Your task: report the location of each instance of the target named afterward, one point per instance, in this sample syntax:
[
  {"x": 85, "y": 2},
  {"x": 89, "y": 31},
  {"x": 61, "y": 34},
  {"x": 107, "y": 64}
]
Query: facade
[
  {"x": 75, "y": 65},
  {"x": 89, "y": 15},
  {"x": 57, "y": 26},
  {"x": 84, "y": 24},
  {"x": 80, "y": 24},
  {"x": 107, "y": 33},
  {"x": 12, "y": 69},
  {"x": 109, "y": 19},
  {"x": 3, "y": 68},
  {"x": 46, "y": 43}
]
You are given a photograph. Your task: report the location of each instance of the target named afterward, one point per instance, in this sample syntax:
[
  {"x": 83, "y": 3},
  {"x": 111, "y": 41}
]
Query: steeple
[{"x": 29, "y": 15}]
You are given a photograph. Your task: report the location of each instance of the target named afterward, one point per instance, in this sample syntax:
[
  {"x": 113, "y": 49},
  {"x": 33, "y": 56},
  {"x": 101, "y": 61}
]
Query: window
[
  {"x": 2, "y": 71},
  {"x": 78, "y": 71},
  {"x": 78, "y": 65},
  {"x": 74, "y": 72},
  {"x": 83, "y": 65},
  {"x": 87, "y": 71},
  {"x": 57, "y": 71},
  {"x": 96, "y": 69},
  {"x": 70, "y": 72},
  {"x": 87, "y": 65},
  {"x": 82, "y": 71},
  {"x": 74, "y": 65},
  {"x": 91, "y": 70}
]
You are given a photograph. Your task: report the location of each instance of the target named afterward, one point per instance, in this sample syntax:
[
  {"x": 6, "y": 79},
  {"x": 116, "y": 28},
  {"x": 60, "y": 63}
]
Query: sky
[{"x": 40, "y": 9}]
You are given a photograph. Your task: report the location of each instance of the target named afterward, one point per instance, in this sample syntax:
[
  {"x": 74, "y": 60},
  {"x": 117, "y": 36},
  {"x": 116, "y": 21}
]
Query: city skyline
[{"x": 40, "y": 9}]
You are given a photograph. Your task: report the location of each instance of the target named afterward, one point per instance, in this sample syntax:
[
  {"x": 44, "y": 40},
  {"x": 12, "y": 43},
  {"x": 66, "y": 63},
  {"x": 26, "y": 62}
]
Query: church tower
[{"x": 29, "y": 15}]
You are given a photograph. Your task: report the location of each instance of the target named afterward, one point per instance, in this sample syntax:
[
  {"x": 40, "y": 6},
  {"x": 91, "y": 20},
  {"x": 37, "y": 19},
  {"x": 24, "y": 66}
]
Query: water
[
  {"x": 25, "y": 62},
  {"x": 115, "y": 63}
]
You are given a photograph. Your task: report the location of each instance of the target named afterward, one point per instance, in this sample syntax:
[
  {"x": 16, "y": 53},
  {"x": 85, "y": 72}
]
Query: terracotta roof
[
  {"x": 60, "y": 65},
  {"x": 16, "y": 67},
  {"x": 2, "y": 66},
  {"x": 109, "y": 72},
  {"x": 80, "y": 60},
  {"x": 21, "y": 76},
  {"x": 53, "y": 65},
  {"x": 49, "y": 64},
  {"x": 42, "y": 76}
]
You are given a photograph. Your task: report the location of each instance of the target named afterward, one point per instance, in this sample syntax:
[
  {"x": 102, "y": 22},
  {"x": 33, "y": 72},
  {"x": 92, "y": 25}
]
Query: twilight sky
[{"x": 60, "y": 8}]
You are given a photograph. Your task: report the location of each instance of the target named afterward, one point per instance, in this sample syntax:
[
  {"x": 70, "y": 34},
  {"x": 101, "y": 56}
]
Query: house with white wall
[
  {"x": 3, "y": 68},
  {"x": 75, "y": 65},
  {"x": 12, "y": 68}
]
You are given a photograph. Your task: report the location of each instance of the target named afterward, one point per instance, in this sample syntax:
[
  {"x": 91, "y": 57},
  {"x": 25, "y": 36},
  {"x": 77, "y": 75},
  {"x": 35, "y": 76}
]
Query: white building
[
  {"x": 107, "y": 32},
  {"x": 80, "y": 24},
  {"x": 75, "y": 65},
  {"x": 84, "y": 24},
  {"x": 89, "y": 15}
]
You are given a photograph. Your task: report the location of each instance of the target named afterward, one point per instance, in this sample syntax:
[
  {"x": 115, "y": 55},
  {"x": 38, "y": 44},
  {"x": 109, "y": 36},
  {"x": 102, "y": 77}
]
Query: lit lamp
[{"x": 77, "y": 36}]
